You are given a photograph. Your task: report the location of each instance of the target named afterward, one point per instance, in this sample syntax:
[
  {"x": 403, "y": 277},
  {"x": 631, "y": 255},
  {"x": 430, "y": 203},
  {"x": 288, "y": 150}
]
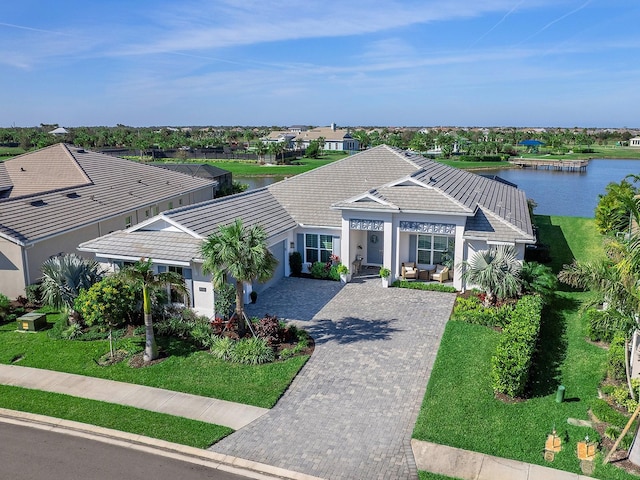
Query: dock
[{"x": 567, "y": 165}]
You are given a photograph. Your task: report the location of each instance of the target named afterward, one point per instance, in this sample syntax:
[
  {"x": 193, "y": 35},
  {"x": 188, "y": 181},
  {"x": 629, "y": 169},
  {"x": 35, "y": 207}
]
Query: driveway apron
[{"x": 350, "y": 412}]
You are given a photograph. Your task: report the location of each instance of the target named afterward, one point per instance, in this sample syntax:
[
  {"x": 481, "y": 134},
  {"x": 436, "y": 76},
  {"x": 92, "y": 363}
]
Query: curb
[{"x": 206, "y": 458}]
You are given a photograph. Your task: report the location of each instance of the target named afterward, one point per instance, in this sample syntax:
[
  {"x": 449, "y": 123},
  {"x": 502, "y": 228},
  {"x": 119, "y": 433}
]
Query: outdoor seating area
[{"x": 428, "y": 273}]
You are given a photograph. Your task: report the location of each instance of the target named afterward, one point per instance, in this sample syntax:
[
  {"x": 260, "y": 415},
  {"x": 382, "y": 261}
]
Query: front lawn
[
  {"x": 460, "y": 409},
  {"x": 185, "y": 370}
]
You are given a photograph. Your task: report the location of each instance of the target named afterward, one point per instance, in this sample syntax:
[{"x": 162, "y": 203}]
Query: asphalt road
[{"x": 33, "y": 454}]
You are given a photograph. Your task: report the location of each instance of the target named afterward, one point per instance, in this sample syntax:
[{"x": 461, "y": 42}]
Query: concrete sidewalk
[
  {"x": 467, "y": 465},
  {"x": 204, "y": 409}
]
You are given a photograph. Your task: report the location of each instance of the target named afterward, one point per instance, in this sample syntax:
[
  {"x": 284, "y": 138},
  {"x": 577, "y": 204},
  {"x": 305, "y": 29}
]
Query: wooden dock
[{"x": 568, "y": 165}]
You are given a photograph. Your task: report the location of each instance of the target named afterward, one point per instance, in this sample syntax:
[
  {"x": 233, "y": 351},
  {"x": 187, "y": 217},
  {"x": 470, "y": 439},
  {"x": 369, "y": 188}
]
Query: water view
[{"x": 573, "y": 194}]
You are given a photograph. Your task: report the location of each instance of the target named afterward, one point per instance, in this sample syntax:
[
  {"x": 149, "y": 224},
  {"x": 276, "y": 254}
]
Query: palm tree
[
  {"x": 240, "y": 252},
  {"x": 496, "y": 271},
  {"x": 141, "y": 274},
  {"x": 64, "y": 276}
]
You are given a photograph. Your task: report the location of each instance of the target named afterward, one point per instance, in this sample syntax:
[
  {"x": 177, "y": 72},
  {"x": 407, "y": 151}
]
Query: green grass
[
  {"x": 128, "y": 419},
  {"x": 185, "y": 370},
  {"x": 598, "y": 152},
  {"x": 250, "y": 168},
  {"x": 459, "y": 408},
  {"x": 434, "y": 476},
  {"x": 9, "y": 152}
]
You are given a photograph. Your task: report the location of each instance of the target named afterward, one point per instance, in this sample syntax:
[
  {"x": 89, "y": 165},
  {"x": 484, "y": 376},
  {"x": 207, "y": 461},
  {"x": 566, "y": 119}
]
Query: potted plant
[
  {"x": 385, "y": 273},
  {"x": 344, "y": 273}
]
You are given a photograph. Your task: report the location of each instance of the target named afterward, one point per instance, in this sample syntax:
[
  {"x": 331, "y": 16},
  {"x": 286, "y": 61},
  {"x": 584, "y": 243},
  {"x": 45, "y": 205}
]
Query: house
[
  {"x": 222, "y": 178},
  {"x": 59, "y": 132},
  {"x": 330, "y": 138},
  {"x": 634, "y": 142},
  {"x": 57, "y": 197},
  {"x": 383, "y": 205}
]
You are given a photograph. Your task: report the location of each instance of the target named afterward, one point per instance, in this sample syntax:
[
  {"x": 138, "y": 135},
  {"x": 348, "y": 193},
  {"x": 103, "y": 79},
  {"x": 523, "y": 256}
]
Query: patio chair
[
  {"x": 410, "y": 271},
  {"x": 441, "y": 274}
]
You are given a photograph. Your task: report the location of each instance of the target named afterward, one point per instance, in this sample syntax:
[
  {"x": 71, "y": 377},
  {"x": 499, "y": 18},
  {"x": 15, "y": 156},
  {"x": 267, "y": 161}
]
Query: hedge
[{"x": 512, "y": 360}]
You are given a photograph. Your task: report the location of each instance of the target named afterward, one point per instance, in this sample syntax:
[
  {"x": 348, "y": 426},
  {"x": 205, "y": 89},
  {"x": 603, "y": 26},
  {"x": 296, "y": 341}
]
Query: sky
[{"x": 490, "y": 63}]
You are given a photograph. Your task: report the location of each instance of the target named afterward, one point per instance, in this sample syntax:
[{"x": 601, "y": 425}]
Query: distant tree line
[{"x": 449, "y": 140}]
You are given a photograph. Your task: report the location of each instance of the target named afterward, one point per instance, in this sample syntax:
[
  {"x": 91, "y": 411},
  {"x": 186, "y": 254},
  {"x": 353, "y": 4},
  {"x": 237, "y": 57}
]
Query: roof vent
[
  {"x": 72, "y": 195},
  {"x": 80, "y": 150},
  {"x": 22, "y": 169},
  {"x": 38, "y": 203}
]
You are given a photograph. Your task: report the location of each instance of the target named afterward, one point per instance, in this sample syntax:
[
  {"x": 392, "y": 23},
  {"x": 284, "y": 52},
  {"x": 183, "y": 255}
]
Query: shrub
[
  {"x": 224, "y": 300},
  {"x": 5, "y": 305},
  {"x": 613, "y": 433},
  {"x": 433, "y": 287},
  {"x": 33, "y": 294},
  {"x": 512, "y": 360},
  {"x": 333, "y": 273},
  {"x": 72, "y": 332},
  {"x": 615, "y": 358},
  {"x": 252, "y": 351},
  {"x": 602, "y": 325},
  {"x": 202, "y": 334},
  {"x": 268, "y": 328},
  {"x": 320, "y": 270},
  {"x": 107, "y": 302},
  {"x": 295, "y": 263},
  {"x": 471, "y": 310},
  {"x": 222, "y": 348}
]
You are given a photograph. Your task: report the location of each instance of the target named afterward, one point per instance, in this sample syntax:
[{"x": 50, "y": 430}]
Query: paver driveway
[{"x": 350, "y": 412}]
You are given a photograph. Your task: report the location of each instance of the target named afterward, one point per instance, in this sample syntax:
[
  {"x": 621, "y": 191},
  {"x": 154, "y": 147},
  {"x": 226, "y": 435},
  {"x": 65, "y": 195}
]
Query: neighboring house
[
  {"x": 336, "y": 139},
  {"x": 384, "y": 204},
  {"x": 59, "y": 132},
  {"x": 57, "y": 197},
  {"x": 223, "y": 178},
  {"x": 634, "y": 142}
]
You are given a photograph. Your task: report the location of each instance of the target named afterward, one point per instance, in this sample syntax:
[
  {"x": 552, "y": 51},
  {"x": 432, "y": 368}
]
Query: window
[
  {"x": 432, "y": 248},
  {"x": 127, "y": 222},
  {"x": 146, "y": 213},
  {"x": 170, "y": 205},
  {"x": 318, "y": 248},
  {"x": 156, "y": 210}
]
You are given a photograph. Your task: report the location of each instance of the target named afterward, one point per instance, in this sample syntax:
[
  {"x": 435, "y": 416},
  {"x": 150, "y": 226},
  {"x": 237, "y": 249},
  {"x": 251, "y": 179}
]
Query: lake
[{"x": 572, "y": 194}]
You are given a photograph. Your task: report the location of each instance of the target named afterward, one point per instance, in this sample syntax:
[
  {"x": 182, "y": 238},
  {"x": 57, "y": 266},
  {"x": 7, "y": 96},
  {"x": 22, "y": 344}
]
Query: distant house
[
  {"x": 634, "y": 142},
  {"x": 223, "y": 178},
  {"x": 59, "y": 132},
  {"x": 379, "y": 207},
  {"x": 57, "y": 197},
  {"x": 332, "y": 138}
]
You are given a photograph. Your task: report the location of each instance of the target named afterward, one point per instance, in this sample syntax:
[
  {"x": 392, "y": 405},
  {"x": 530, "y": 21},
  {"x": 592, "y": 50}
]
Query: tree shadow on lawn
[
  {"x": 560, "y": 251},
  {"x": 545, "y": 374},
  {"x": 350, "y": 330}
]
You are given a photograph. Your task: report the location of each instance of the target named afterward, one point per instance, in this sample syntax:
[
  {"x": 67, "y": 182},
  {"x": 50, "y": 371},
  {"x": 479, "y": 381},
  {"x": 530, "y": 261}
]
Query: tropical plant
[
  {"x": 537, "y": 279},
  {"x": 143, "y": 275},
  {"x": 496, "y": 271},
  {"x": 64, "y": 276},
  {"x": 110, "y": 302},
  {"x": 384, "y": 272},
  {"x": 612, "y": 212},
  {"x": 239, "y": 252}
]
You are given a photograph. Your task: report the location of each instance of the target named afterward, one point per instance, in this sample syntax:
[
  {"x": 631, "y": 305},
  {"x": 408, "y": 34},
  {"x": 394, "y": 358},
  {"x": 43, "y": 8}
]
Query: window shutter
[
  {"x": 300, "y": 244},
  {"x": 186, "y": 273},
  {"x": 413, "y": 247}
]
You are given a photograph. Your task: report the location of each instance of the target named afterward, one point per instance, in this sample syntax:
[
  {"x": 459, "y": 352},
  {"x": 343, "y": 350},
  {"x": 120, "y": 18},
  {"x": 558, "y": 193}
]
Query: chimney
[{"x": 333, "y": 127}]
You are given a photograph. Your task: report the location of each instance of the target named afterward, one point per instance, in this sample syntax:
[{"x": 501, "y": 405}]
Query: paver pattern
[{"x": 350, "y": 412}]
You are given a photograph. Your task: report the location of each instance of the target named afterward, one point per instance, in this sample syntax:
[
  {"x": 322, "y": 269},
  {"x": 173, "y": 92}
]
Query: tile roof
[
  {"x": 308, "y": 197},
  {"x": 201, "y": 170},
  {"x": 255, "y": 207},
  {"x": 74, "y": 188}
]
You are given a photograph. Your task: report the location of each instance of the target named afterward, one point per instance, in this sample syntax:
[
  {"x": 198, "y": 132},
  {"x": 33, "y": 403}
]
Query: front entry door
[{"x": 375, "y": 248}]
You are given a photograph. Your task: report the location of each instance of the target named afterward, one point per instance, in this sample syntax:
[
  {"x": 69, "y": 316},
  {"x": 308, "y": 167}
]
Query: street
[{"x": 34, "y": 454}]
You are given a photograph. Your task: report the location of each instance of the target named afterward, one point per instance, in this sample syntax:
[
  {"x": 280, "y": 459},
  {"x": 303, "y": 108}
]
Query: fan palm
[
  {"x": 64, "y": 276},
  {"x": 141, "y": 274},
  {"x": 496, "y": 271},
  {"x": 240, "y": 252}
]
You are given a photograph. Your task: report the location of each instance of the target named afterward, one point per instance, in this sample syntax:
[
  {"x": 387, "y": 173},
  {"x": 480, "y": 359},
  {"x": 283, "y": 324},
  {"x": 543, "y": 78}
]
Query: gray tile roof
[
  {"x": 195, "y": 169},
  {"x": 308, "y": 197},
  {"x": 74, "y": 188},
  {"x": 158, "y": 245},
  {"x": 254, "y": 207}
]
